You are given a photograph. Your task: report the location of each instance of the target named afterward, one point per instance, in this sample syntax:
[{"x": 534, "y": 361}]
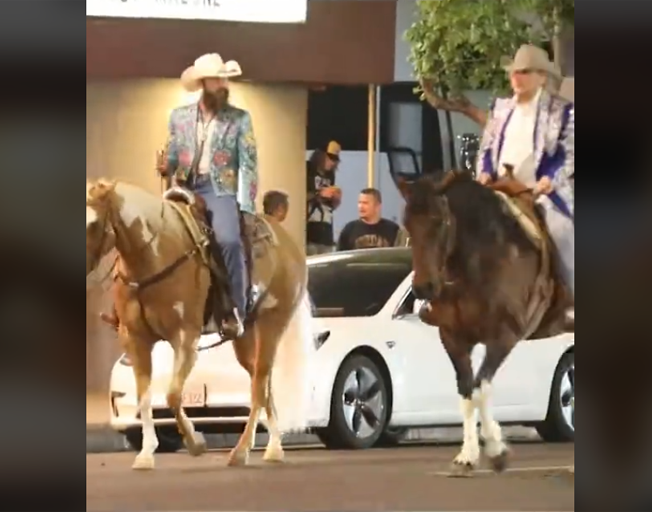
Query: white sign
[{"x": 262, "y": 11}]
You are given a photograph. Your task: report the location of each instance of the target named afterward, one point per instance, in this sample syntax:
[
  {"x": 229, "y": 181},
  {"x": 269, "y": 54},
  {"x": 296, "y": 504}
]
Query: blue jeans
[{"x": 225, "y": 222}]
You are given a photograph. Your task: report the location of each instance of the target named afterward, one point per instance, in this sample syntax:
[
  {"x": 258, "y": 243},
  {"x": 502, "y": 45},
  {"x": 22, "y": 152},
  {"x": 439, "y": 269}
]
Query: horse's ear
[
  {"x": 106, "y": 184},
  {"x": 98, "y": 189},
  {"x": 403, "y": 188}
]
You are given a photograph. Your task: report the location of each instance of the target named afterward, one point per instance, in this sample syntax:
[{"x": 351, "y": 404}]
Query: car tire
[
  {"x": 559, "y": 425},
  {"x": 359, "y": 406},
  {"x": 391, "y": 436},
  {"x": 169, "y": 440}
]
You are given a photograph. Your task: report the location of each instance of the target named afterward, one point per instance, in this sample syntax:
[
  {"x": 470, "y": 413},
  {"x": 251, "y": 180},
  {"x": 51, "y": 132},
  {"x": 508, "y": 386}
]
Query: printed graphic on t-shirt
[
  {"x": 371, "y": 241},
  {"x": 320, "y": 212}
]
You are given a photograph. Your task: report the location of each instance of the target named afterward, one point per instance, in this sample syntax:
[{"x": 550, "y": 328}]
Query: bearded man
[{"x": 211, "y": 150}]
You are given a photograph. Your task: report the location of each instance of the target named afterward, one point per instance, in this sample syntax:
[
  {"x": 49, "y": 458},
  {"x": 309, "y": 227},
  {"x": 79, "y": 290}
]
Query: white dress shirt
[
  {"x": 518, "y": 144},
  {"x": 207, "y": 130}
]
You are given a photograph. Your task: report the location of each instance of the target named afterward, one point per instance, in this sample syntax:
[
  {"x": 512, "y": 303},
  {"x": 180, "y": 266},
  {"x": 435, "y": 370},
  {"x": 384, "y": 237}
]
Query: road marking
[{"x": 532, "y": 469}]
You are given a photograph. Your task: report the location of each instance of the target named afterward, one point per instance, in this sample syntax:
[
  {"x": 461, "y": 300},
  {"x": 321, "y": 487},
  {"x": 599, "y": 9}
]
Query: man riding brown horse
[
  {"x": 481, "y": 254},
  {"x": 533, "y": 133}
]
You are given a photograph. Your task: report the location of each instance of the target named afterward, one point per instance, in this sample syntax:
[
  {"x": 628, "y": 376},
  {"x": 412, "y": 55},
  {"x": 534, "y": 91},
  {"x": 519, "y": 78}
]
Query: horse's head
[
  {"x": 431, "y": 226},
  {"x": 100, "y": 236}
]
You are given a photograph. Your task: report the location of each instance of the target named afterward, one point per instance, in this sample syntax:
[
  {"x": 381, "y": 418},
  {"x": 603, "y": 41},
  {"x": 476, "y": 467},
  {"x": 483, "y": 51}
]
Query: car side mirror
[{"x": 416, "y": 307}]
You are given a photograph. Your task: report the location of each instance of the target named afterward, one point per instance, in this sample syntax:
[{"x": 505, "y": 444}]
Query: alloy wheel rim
[
  {"x": 362, "y": 402},
  {"x": 567, "y": 397}
]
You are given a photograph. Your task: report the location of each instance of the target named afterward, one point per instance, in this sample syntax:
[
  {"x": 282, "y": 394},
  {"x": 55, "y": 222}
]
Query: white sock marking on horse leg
[
  {"x": 145, "y": 458},
  {"x": 491, "y": 431},
  {"x": 150, "y": 441},
  {"x": 470, "y": 453}
]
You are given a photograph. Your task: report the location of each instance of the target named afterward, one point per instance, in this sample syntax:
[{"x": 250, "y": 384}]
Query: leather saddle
[
  {"x": 257, "y": 237},
  {"x": 520, "y": 201}
]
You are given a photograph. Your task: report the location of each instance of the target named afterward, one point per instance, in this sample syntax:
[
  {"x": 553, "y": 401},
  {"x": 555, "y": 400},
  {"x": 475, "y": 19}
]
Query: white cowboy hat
[
  {"x": 531, "y": 57},
  {"x": 210, "y": 65}
]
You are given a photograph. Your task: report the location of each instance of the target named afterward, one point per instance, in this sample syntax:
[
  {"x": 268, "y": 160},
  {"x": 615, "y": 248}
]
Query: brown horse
[
  {"x": 486, "y": 279},
  {"x": 162, "y": 291}
]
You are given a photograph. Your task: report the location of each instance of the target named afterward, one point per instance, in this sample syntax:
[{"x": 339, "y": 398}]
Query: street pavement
[{"x": 410, "y": 477}]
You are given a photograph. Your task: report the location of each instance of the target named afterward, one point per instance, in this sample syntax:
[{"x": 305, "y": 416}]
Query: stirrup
[{"x": 239, "y": 321}]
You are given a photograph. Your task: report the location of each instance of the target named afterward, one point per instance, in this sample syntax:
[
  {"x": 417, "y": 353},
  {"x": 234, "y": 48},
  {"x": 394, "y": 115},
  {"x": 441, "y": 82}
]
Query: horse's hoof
[
  {"x": 197, "y": 446},
  {"x": 274, "y": 454},
  {"x": 237, "y": 458},
  {"x": 499, "y": 462},
  {"x": 461, "y": 470},
  {"x": 143, "y": 462}
]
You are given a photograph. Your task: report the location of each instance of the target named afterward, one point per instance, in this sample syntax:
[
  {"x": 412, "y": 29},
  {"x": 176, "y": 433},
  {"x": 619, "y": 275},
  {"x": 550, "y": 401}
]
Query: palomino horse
[
  {"x": 488, "y": 278},
  {"x": 161, "y": 292}
]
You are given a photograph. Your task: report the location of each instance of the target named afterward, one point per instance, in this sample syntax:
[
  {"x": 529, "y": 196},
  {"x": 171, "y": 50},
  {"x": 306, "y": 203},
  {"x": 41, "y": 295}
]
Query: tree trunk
[
  {"x": 460, "y": 104},
  {"x": 451, "y": 138}
]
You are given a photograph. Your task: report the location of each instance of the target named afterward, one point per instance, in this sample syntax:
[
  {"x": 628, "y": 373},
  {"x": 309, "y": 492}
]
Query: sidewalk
[{"x": 100, "y": 438}]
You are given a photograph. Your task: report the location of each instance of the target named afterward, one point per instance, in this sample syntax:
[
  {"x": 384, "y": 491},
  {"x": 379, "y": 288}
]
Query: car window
[
  {"x": 345, "y": 288},
  {"x": 407, "y": 305}
]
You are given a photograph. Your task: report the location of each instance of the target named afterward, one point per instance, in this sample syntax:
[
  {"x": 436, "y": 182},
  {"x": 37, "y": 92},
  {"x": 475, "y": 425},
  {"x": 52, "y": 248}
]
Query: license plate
[{"x": 193, "y": 399}]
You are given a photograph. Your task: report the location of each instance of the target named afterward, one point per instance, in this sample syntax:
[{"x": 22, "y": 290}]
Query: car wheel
[
  {"x": 358, "y": 406},
  {"x": 559, "y": 425},
  {"x": 391, "y": 436},
  {"x": 169, "y": 440}
]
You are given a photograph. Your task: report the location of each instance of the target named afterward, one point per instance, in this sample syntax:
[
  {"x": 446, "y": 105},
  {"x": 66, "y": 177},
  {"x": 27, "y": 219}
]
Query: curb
[{"x": 103, "y": 439}]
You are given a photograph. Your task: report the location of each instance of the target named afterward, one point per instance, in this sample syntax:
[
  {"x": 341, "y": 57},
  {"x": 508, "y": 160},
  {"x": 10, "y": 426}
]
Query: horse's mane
[
  {"x": 481, "y": 218},
  {"x": 429, "y": 185}
]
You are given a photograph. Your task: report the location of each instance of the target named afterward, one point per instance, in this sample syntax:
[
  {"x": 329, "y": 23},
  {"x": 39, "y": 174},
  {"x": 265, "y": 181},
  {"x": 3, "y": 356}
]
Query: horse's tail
[{"x": 290, "y": 380}]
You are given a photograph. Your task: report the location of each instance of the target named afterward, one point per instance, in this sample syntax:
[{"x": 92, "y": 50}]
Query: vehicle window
[
  {"x": 407, "y": 306},
  {"x": 351, "y": 288}
]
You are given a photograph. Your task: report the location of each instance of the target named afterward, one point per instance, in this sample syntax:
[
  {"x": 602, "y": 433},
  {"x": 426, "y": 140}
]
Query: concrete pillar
[{"x": 127, "y": 123}]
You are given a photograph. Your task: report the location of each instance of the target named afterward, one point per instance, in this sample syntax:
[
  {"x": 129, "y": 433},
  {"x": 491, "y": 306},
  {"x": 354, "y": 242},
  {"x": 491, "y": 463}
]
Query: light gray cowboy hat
[
  {"x": 531, "y": 57},
  {"x": 209, "y": 65}
]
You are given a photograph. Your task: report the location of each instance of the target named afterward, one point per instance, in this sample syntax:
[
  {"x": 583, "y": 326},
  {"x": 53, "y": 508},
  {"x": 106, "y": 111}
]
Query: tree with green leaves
[{"x": 461, "y": 45}]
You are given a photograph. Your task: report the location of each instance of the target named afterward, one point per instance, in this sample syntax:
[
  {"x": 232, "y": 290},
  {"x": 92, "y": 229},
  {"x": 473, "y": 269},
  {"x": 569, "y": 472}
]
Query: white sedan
[{"x": 377, "y": 370}]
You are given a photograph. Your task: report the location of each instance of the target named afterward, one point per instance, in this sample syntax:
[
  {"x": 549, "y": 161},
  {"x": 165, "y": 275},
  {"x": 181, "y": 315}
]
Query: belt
[{"x": 201, "y": 179}]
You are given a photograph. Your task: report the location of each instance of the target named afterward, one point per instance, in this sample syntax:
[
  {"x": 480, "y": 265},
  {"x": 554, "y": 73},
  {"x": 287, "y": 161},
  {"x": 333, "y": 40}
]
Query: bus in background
[{"x": 411, "y": 138}]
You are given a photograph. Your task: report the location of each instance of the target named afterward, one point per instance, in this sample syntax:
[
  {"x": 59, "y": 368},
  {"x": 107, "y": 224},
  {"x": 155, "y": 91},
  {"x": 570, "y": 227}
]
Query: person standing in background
[
  {"x": 323, "y": 199},
  {"x": 370, "y": 229},
  {"x": 276, "y": 204}
]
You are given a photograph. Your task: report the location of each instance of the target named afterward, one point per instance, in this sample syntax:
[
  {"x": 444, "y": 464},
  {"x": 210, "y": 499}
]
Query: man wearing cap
[
  {"x": 211, "y": 150},
  {"x": 323, "y": 198},
  {"x": 533, "y": 132}
]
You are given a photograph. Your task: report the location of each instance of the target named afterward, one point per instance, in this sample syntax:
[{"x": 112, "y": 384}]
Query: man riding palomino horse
[
  {"x": 481, "y": 253},
  {"x": 167, "y": 286},
  {"x": 533, "y": 135},
  {"x": 211, "y": 151}
]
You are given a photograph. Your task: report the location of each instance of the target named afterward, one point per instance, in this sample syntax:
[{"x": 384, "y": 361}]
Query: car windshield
[{"x": 357, "y": 283}]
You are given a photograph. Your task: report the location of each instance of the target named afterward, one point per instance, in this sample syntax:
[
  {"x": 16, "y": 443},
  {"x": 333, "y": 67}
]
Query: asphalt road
[{"x": 405, "y": 478}]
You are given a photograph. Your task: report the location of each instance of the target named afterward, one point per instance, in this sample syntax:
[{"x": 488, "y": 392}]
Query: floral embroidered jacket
[
  {"x": 234, "y": 161},
  {"x": 554, "y": 145}
]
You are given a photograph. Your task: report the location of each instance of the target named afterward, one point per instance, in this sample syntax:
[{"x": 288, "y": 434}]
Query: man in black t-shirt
[
  {"x": 323, "y": 198},
  {"x": 370, "y": 230}
]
